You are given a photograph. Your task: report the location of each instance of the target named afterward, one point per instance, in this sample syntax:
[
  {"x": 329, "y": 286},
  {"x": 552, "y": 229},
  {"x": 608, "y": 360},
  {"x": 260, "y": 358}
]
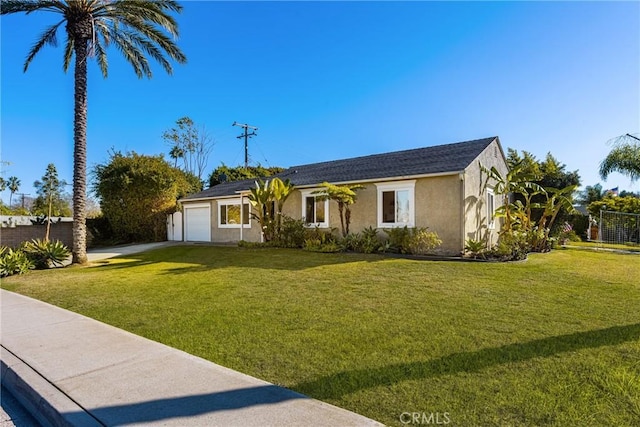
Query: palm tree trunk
[{"x": 79, "y": 252}]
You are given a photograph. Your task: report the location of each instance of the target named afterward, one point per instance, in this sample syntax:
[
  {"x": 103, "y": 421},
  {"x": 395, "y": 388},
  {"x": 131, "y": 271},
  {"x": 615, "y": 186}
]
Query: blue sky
[{"x": 330, "y": 80}]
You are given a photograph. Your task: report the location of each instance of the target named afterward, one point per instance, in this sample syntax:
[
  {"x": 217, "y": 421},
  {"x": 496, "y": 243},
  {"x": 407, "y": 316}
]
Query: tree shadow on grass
[
  {"x": 337, "y": 385},
  {"x": 206, "y": 258}
]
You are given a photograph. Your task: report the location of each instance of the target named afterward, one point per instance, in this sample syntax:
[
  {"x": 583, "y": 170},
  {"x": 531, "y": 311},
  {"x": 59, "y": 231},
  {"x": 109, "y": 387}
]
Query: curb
[{"x": 46, "y": 403}]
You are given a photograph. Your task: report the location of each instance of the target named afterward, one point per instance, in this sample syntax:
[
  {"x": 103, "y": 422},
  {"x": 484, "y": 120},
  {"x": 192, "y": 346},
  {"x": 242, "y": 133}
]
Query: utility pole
[
  {"x": 246, "y": 135},
  {"x": 22, "y": 197}
]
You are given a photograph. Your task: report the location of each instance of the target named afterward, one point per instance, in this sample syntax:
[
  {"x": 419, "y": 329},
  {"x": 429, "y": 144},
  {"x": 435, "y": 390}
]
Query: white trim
[
  {"x": 185, "y": 217},
  {"x": 233, "y": 202},
  {"x": 408, "y": 185},
  {"x": 308, "y": 193}
]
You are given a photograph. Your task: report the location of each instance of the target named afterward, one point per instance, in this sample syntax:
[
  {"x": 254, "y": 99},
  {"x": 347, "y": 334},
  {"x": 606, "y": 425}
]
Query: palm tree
[
  {"x": 14, "y": 186},
  {"x": 345, "y": 196},
  {"x": 623, "y": 158},
  {"x": 176, "y": 153},
  {"x": 135, "y": 28}
]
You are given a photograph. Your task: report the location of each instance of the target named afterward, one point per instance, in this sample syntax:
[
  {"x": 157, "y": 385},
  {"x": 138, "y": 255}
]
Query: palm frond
[
  {"x": 157, "y": 37},
  {"x": 47, "y": 37},
  {"x": 156, "y": 12},
  {"x": 101, "y": 57},
  {"x": 68, "y": 54},
  {"x": 27, "y": 6},
  {"x": 131, "y": 53},
  {"x": 624, "y": 158}
]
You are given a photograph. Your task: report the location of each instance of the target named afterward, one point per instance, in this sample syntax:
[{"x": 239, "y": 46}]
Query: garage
[{"x": 197, "y": 223}]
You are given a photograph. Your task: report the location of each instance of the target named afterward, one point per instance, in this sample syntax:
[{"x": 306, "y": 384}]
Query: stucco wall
[
  {"x": 225, "y": 235},
  {"x": 437, "y": 206},
  {"x": 475, "y": 196}
]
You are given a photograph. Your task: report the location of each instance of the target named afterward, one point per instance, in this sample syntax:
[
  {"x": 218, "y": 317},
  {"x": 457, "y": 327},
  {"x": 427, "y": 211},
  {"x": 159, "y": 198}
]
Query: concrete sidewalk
[{"x": 68, "y": 369}]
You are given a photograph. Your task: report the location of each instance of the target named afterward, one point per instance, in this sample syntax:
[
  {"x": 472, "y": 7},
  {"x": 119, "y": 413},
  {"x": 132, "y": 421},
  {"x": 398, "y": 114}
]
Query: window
[
  {"x": 491, "y": 209},
  {"x": 396, "y": 204},
  {"x": 315, "y": 211},
  {"x": 229, "y": 214}
]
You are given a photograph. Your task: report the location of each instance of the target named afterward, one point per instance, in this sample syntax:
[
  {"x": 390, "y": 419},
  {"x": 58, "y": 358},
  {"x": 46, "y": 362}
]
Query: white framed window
[
  {"x": 315, "y": 211},
  {"x": 230, "y": 212},
  {"x": 396, "y": 204},
  {"x": 491, "y": 209}
]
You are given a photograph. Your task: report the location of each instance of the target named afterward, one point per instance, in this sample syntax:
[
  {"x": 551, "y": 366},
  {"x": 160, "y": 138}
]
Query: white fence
[{"x": 619, "y": 227}]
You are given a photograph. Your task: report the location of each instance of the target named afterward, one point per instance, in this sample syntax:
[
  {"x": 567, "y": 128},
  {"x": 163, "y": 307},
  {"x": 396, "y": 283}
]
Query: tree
[
  {"x": 591, "y": 193},
  {"x": 623, "y": 158},
  {"x": 268, "y": 198},
  {"x": 518, "y": 180},
  {"x": 224, "y": 173},
  {"x": 190, "y": 144},
  {"x": 628, "y": 204},
  {"x": 344, "y": 196},
  {"x": 549, "y": 173},
  {"x": 13, "y": 185},
  {"x": 137, "y": 192},
  {"x": 50, "y": 189},
  {"x": 135, "y": 28}
]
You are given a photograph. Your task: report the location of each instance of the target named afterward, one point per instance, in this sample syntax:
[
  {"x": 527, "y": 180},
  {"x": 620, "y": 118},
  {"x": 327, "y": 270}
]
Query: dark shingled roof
[{"x": 420, "y": 161}]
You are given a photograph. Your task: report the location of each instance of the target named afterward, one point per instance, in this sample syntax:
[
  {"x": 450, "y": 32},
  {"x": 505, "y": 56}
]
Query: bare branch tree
[{"x": 191, "y": 145}]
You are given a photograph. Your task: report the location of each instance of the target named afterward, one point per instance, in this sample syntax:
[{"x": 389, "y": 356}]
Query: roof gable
[{"x": 420, "y": 161}]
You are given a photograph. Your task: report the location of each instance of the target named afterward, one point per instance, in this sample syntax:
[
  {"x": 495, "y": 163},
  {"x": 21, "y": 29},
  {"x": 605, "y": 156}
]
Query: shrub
[
  {"x": 512, "y": 246},
  {"x": 100, "y": 230},
  {"x": 46, "y": 254},
  {"x": 371, "y": 241},
  {"x": 321, "y": 241},
  {"x": 422, "y": 241},
  {"x": 476, "y": 248},
  {"x": 398, "y": 239},
  {"x": 13, "y": 262},
  {"x": 314, "y": 245},
  {"x": 292, "y": 233}
]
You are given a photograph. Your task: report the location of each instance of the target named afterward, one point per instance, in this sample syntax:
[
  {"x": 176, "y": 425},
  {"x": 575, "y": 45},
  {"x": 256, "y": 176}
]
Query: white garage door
[{"x": 197, "y": 223}]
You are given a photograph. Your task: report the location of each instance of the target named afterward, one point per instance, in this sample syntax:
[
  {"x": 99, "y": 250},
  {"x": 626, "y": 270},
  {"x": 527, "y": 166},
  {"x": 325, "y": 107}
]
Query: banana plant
[
  {"x": 268, "y": 198},
  {"x": 516, "y": 180}
]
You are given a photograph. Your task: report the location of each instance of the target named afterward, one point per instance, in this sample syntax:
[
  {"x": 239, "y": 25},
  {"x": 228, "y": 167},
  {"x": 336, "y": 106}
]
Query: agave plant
[
  {"x": 13, "y": 262},
  {"x": 46, "y": 254}
]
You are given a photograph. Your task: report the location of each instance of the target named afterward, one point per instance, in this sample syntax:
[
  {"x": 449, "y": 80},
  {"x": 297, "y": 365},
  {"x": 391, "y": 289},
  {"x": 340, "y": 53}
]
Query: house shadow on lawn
[
  {"x": 207, "y": 257},
  {"x": 343, "y": 383}
]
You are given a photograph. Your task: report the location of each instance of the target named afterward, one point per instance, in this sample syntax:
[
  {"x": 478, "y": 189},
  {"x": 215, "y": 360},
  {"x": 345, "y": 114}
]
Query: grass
[
  {"x": 553, "y": 341},
  {"x": 630, "y": 247}
]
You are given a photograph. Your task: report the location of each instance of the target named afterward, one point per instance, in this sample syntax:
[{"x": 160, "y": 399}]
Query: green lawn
[
  {"x": 553, "y": 341},
  {"x": 631, "y": 247}
]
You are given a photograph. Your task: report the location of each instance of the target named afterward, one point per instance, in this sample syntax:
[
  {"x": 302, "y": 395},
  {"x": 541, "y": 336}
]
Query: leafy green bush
[
  {"x": 398, "y": 239},
  {"x": 422, "y": 241},
  {"x": 512, "y": 246},
  {"x": 13, "y": 262},
  {"x": 46, "y": 254},
  {"x": 476, "y": 248},
  {"x": 292, "y": 233},
  {"x": 314, "y": 245},
  {"x": 100, "y": 230},
  {"x": 322, "y": 241}
]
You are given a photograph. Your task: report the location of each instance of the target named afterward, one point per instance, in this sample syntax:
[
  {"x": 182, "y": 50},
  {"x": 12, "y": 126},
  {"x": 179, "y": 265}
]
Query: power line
[{"x": 246, "y": 137}]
